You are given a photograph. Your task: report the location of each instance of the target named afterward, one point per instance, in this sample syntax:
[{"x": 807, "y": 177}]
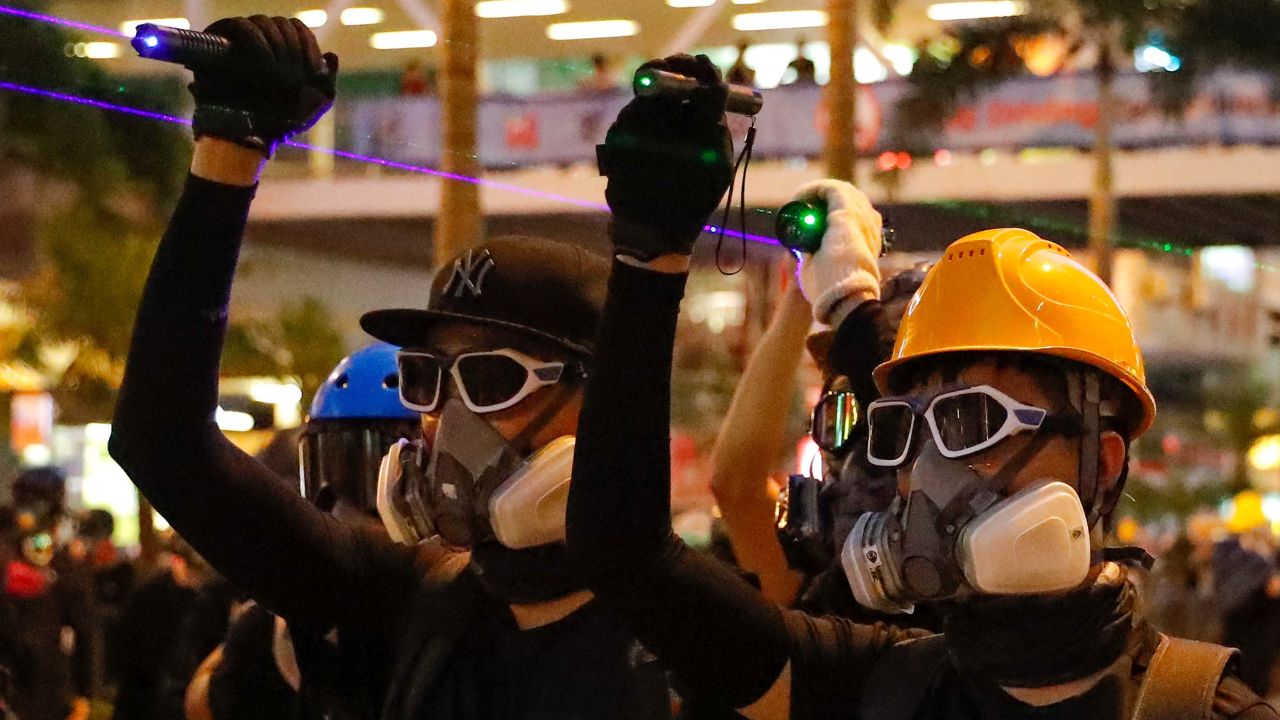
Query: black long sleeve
[
  {"x": 723, "y": 641},
  {"x": 247, "y": 521}
]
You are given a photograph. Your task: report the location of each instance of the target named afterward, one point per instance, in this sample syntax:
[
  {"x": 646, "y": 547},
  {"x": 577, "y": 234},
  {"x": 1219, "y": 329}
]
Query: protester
[
  {"x": 1247, "y": 590},
  {"x": 141, "y": 644},
  {"x": 47, "y": 622},
  {"x": 495, "y": 367},
  {"x": 601, "y": 78},
  {"x": 112, "y": 571},
  {"x": 354, "y": 418},
  {"x": 801, "y": 70},
  {"x": 805, "y": 571},
  {"x": 413, "y": 80},
  {"x": 1013, "y": 391},
  {"x": 749, "y": 443},
  {"x": 740, "y": 73}
]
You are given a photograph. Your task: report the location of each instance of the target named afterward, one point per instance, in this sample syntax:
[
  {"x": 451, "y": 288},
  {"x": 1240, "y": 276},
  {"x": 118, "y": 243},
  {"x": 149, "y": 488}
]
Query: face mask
[
  {"x": 956, "y": 536},
  {"x": 475, "y": 487}
]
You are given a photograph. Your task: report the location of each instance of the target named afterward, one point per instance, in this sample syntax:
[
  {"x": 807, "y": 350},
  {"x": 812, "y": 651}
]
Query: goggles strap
[
  {"x": 967, "y": 504},
  {"x": 541, "y": 420},
  {"x": 1130, "y": 556}
]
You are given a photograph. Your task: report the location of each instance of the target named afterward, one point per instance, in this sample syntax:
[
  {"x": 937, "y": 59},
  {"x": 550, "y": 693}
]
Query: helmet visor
[{"x": 340, "y": 459}]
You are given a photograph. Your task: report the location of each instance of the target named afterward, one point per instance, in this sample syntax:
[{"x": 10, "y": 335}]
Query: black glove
[
  {"x": 273, "y": 85},
  {"x": 668, "y": 162}
]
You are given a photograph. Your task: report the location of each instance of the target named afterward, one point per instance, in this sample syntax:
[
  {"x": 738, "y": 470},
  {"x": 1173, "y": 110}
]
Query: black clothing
[
  {"x": 139, "y": 643},
  {"x": 717, "y": 634},
  {"x": 247, "y": 684},
  {"x": 199, "y": 633},
  {"x": 1250, "y": 618},
  {"x": 394, "y": 622}
]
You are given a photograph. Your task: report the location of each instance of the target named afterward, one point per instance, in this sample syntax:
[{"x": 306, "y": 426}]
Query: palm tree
[
  {"x": 842, "y": 90},
  {"x": 980, "y": 55},
  {"x": 840, "y": 146},
  {"x": 459, "y": 223}
]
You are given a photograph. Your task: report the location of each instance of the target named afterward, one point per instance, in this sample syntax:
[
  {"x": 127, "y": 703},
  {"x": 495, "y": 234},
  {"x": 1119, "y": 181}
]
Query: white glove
[{"x": 846, "y": 267}]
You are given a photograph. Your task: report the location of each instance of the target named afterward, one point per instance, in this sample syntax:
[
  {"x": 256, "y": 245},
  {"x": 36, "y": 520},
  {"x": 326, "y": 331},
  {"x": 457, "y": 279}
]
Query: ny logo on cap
[{"x": 468, "y": 275}]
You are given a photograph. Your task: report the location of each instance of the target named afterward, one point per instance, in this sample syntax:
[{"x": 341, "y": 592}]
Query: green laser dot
[
  {"x": 646, "y": 81},
  {"x": 709, "y": 156},
  {"x": 1167, "y": 247},
  {"x": 810, "y": 220}
]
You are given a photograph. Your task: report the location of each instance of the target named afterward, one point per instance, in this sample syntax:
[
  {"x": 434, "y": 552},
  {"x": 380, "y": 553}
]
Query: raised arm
[
  {"x": 247, "y": 521},
  {"x": 751, "y": 439},
  {"x": 724, "y": 642}
]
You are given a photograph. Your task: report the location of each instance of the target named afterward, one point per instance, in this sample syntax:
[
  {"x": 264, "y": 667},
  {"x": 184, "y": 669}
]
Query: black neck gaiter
[
  {"x": 1035, "y": 641},
  {"x": 523, "y": 576}
]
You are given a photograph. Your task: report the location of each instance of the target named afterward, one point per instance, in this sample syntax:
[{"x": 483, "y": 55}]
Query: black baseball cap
[{"x": 548, "y": 289}]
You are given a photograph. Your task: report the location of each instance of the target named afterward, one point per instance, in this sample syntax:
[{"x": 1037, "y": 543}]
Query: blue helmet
[
  {"x": 355, "y": 417},
  {"x": 364, "y": 385}
]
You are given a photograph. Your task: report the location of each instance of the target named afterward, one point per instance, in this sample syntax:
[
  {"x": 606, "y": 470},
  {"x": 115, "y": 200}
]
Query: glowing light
[
  {"x": 1264, "y": 454},
  {"x": 357, "y": 157},
  {"x": 809, "y": 458},
  {"x": 592, "y": 29},
  {"x": 783, "y": 20},
  {"x": 810, "y": 219},
  {"x": 313, "y": 18},
  {"x": 106, "y": 50},
  {"x": 361, "y": 16},
  {"x": 37, "y": 454},
  {"x": 944, "y": 12},
  {"x": 1149, "y": 58},
  {"x": 520, "y": 8},
  {"x": 275, "y": 393},
  {"x": 130, "y": 27},
  {"x": 402, "y": 39},
  {"x": 151, "y": 41},
  {"x": 646, "y": 80},
  {"x": 97, "y": 432},
  {"x": 887, "y": 161},
  {"x": 901, "y": 57},
  {"x": 943, "y": 158},
  {"x": 1231, "y": 265},
  {"x": 233, "y": 421}
]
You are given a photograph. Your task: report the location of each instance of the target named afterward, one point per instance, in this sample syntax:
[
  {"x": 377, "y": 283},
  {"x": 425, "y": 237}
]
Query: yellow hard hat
[{"x": 1009, "y": 290}]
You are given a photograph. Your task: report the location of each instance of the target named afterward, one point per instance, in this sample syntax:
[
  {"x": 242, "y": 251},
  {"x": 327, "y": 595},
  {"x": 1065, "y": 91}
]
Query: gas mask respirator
[
  {"x": 956, "y": 534},
  {"x": 474, "y": 486},
  {"x": 942, "y": 544}
]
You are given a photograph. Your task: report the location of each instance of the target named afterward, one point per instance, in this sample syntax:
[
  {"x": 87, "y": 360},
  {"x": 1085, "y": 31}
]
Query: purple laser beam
[
  {"x": 5, "y": 10},
  {"x": 100, "y": 104},
  {"x": 507, "y": 187}
]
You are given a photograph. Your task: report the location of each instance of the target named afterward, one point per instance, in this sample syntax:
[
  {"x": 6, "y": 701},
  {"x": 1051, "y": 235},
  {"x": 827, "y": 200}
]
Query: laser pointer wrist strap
[{"x": 238, "y": 126}]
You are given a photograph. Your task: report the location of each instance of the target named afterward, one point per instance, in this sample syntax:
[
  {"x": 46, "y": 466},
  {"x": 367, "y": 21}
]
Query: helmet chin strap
[
  {"x": 1099, "y": 505},
  {"x": 1090, "y": 453}
]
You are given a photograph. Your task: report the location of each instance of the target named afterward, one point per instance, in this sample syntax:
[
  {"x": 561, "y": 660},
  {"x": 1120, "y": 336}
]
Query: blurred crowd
[{"x": 89, "y": 629}]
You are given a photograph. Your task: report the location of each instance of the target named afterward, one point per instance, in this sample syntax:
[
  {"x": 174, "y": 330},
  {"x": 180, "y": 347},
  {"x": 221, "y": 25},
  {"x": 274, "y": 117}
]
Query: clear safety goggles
[
  {"x": 487, "y": 381},
  {"x": 834, "y": 418},
  {"x": 963, "y": 422}
]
